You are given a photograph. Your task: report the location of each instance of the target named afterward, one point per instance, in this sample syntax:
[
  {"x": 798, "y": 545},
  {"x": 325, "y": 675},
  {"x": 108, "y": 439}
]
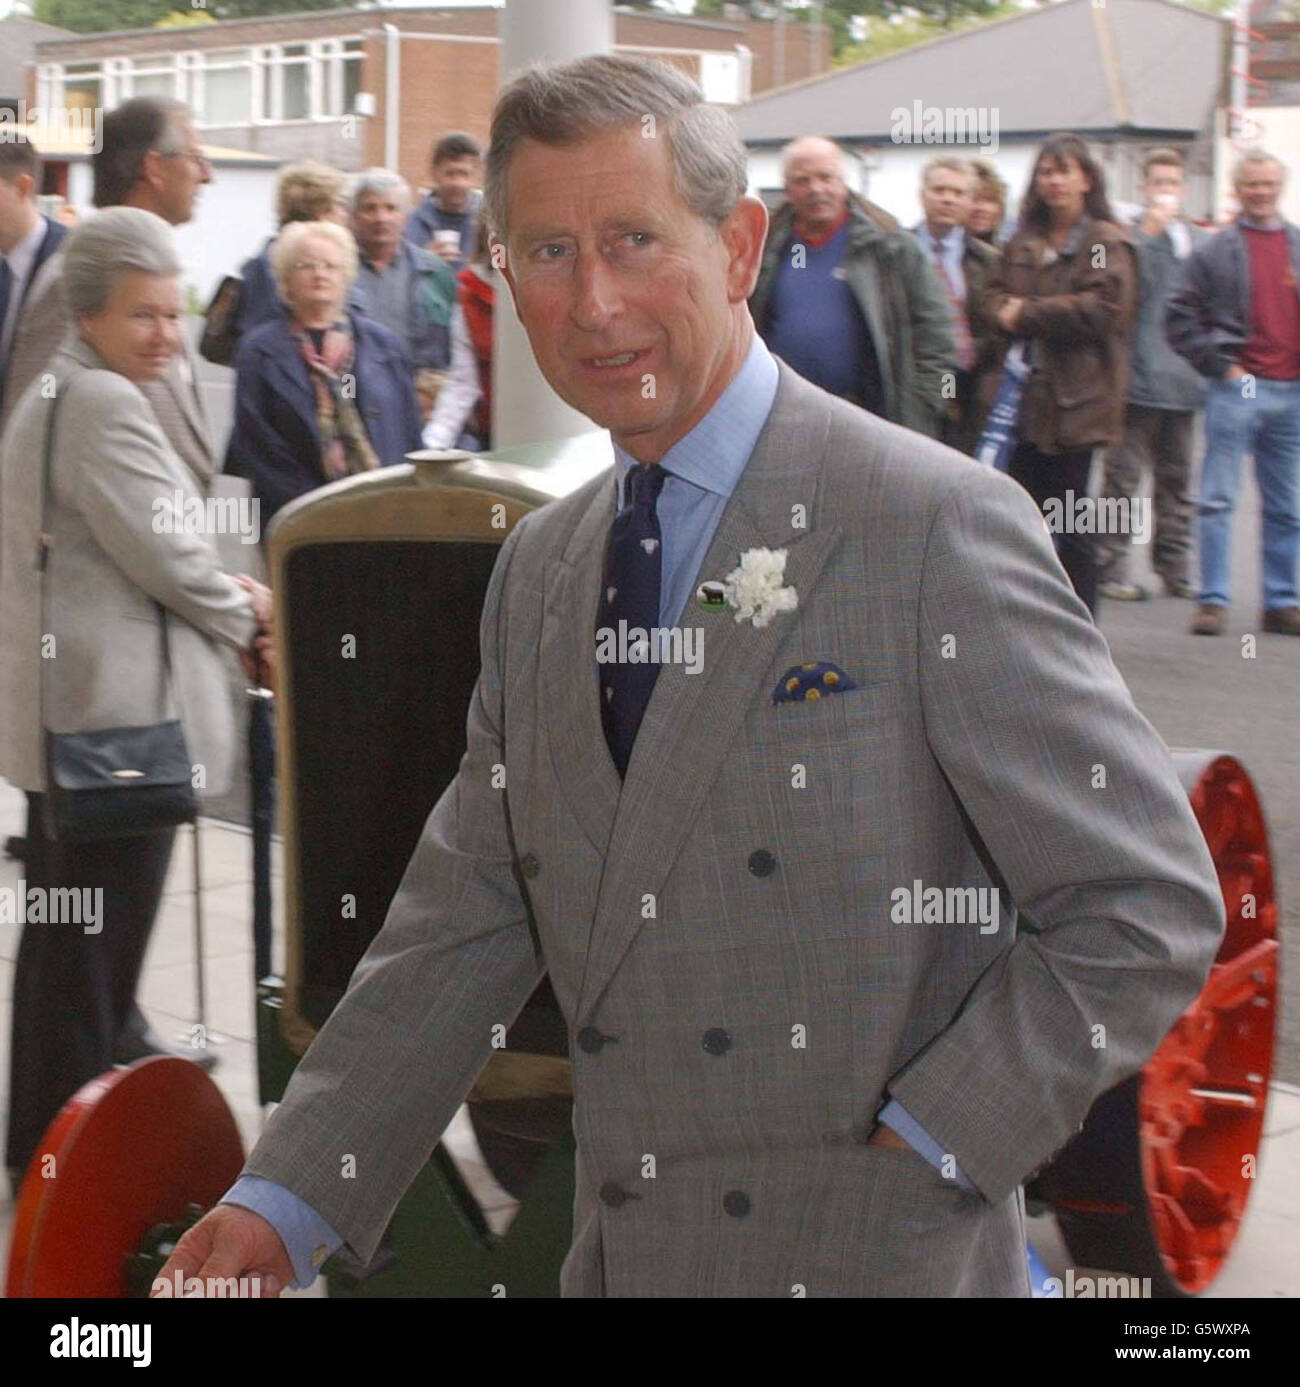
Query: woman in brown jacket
[{"x": 1065, "y": 287}]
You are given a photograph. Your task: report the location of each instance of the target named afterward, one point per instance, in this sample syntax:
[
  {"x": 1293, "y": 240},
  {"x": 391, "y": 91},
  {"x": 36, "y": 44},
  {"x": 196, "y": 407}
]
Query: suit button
[
  {"x": 529, "y": 865},
  {"x": 762, "y": 863},
  {"x": 614, "y": 1195},
  {"x": 591, "y": 1040},
  {"x": 736, "y": 1203},
  {"x": 717, "y": 1041}
]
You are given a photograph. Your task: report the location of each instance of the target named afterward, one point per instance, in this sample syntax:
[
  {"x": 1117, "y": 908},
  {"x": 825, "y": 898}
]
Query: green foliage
[
  {"x": 95, "y": 16},
  {"x": 184, "y": 19},
  {"x": 838, "y": 14},
  {"x": 891, "y": 36}
]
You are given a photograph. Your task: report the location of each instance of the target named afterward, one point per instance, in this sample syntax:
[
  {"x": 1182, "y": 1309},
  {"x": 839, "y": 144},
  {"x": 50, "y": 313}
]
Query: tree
[{"x": 95, "y": 16}]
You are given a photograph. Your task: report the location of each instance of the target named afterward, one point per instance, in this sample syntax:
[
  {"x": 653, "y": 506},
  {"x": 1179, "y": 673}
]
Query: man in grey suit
[{"x": 814, "y": 1050}]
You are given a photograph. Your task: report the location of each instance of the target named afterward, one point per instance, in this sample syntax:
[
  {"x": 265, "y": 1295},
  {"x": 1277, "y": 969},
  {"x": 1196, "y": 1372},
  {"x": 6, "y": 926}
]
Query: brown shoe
[
  {"x": 1209, "y": 621},
  {"x": 1282, "y": 621}
]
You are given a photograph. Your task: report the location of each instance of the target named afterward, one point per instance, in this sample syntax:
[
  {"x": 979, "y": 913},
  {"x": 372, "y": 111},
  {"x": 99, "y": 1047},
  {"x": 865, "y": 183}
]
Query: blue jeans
[{"x": 1267, "y": 426}]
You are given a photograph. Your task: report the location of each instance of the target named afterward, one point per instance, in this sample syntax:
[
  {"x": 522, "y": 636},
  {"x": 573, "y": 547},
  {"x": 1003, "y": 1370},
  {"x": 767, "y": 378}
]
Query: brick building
[{"x": 362, "y": 87}]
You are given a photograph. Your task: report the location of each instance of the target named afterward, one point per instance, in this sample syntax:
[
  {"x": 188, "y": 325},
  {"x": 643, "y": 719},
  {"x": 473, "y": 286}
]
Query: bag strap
[{"x": 45, "y": 544}]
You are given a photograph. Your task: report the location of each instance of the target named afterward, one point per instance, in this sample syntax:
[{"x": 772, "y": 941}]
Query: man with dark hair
[
  {"x": 150, "y": 158},
  {"x": 446, "y": 221},
  {"x": 28, "y": 242},
  {"x": 1164, "y": 393}
]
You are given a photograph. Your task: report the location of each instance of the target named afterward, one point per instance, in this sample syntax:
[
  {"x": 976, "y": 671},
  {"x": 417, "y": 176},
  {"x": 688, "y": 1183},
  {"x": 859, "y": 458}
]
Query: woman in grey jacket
[{"x": 129, "y": 535}]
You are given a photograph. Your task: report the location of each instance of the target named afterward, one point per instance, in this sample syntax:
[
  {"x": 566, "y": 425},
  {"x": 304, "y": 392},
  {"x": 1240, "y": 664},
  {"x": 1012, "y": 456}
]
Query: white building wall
[
  {"x": 1277, "y": 129},
  {"x": 235, "y": 213}
]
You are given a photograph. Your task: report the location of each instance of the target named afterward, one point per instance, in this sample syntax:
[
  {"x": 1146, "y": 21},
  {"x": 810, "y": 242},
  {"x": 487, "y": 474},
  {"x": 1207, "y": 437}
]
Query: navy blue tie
[{"x": 629, "y": 612}]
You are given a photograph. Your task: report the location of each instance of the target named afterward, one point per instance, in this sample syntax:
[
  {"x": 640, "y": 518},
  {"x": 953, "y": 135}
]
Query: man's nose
[{"x": 595, "y": 291}]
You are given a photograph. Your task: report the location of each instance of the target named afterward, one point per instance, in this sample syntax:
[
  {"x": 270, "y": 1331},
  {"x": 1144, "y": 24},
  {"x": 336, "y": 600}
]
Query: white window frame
[
  {"x": 59, "y": 77},
  {"x": 334, "y": 60},
  {"x": 155, "y": 65},
  {"x": 200, "y": 65}
]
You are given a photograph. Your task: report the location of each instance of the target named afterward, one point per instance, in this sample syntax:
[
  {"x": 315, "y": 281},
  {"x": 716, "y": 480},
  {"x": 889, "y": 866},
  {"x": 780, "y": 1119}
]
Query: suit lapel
[
  {"x": 692, "y": 719},
  {"x": 579, "y": 754}
]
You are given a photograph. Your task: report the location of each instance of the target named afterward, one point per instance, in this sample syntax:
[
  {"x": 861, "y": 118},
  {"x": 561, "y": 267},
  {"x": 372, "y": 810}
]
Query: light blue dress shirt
[
  {"x": 703, "y": 469},
  {"x": 947, "y": 249}
]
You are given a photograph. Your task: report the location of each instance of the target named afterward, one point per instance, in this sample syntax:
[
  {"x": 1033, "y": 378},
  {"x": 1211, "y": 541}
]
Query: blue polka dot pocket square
[{"x": 810, "y": 681}]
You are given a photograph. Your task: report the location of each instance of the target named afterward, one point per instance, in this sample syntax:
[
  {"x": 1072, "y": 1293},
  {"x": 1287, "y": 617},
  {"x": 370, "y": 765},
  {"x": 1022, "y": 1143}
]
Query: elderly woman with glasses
[
  {"x": 128, "y": 621},
  {"x": 321, "y": 392}
]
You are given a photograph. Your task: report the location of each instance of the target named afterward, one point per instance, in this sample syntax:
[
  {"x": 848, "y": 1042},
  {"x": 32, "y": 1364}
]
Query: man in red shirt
[{"x": 1235, "y": 315}]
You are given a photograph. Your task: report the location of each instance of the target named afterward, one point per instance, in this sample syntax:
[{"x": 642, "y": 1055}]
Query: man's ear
[
  {"x": 499, "y": 257},
  {"x": 743, "y": 234},
  {"x": 151, "y": 169}
]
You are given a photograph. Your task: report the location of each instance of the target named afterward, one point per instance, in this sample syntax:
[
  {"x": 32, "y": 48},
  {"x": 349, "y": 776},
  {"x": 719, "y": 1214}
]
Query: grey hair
[
  {"x": 288, "y": 247},
  {"x": 787, "y": 151},
  {"x": 1257, "y": 154},
  {"x": 102, "y": 246},
  {"x": 564, "y": 103},
  {"x": 382, "y": 181}
]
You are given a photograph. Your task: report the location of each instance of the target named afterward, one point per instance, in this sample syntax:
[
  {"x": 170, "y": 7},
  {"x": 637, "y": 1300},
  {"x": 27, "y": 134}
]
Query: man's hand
[
  {"x": 1234, "y": 372},
  {"x": 886, "y": 1136},
  {"x": 1009, "y": 314},
  {"x": 1161, "y": 213},
  {"x": 261, "y": 596},
  {"x": 230, "y": 1241}
]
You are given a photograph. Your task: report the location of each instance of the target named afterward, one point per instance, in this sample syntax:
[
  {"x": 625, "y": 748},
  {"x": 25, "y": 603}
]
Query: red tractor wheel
[
  {"x": 127, "y": 1152},
  {"x": 1156, "y": 1184}
]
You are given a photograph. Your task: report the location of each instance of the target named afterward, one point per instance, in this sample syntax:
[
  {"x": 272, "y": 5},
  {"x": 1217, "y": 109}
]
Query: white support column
[
  {"x": 524, "y": 407},
  {"x": 392, "y": 94}
]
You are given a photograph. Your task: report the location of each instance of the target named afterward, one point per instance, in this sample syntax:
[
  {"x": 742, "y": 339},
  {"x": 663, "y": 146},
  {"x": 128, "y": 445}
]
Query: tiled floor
[{"x": 1263, "y": 1264}]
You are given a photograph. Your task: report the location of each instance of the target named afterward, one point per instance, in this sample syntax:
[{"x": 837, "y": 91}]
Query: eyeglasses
[
  {"x": 313, "y": 265},
  {"x": 201, "y": 160}
]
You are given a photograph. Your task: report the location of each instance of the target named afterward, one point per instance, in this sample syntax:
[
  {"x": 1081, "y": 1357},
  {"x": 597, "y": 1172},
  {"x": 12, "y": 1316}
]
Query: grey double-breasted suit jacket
[{"x": 720, "y": 928}]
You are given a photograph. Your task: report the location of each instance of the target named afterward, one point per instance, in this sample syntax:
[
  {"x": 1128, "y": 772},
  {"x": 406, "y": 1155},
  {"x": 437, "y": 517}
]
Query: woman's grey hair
[
  {"x": 116, "y": 239},
  {"x": 289, "y": 243},
  {"x": 562, "y": 104},
  {"x": 381, "y": 181}
]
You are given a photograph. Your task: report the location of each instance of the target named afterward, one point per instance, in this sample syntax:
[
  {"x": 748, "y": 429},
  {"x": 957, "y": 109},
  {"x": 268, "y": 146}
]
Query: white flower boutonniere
[{"x": 755, "y": 588}]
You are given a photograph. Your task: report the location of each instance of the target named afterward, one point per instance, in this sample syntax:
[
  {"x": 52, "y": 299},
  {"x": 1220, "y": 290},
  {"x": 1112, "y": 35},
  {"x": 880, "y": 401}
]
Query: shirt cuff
[
  {"x": 897, "y": 1118},
  {"x": 307, "y": 1238}
]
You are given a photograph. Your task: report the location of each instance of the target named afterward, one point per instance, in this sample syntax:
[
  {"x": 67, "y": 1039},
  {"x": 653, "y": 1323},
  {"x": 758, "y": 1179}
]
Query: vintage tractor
[{"x": 379, "y": 581}]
